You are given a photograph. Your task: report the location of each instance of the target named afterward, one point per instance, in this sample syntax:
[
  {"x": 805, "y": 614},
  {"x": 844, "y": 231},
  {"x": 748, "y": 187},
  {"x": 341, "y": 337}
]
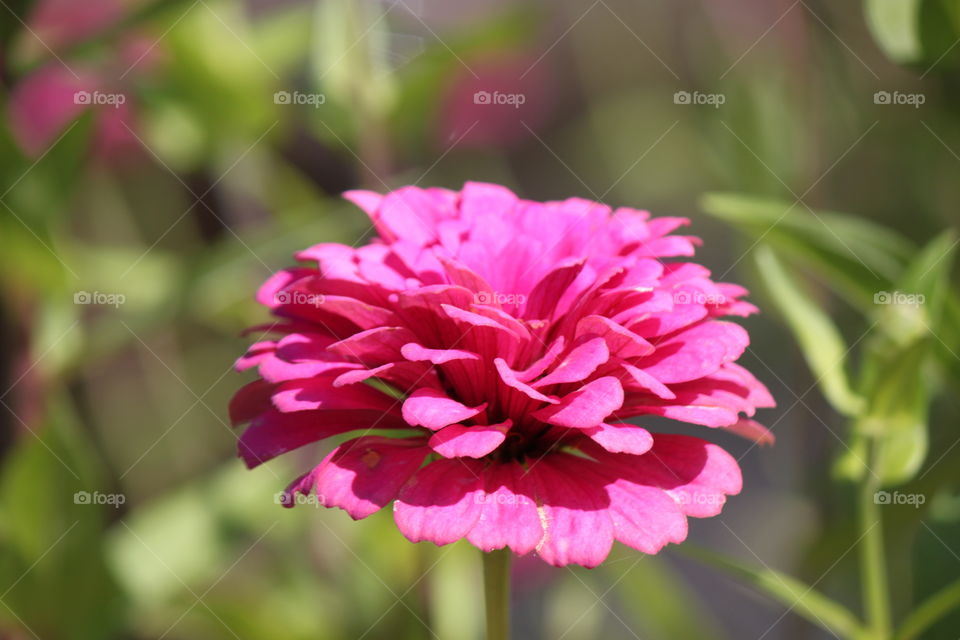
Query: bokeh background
[{"x": 159, "y": 160}]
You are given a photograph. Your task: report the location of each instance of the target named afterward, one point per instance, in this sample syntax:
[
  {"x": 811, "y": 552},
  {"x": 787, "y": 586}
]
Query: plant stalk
[
  {"x": 876, "y": 590},
  {"x": 496, "y": 591}
]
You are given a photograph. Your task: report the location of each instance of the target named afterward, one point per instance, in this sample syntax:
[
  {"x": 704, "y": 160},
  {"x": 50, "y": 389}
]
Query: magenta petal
[
  {"x": 696, "y": 352},
  {"x": 645, "y": 518},
  {"x": 511, "y": 379},
  {"x": 621, "y": 438},
  {"x": 574, "y": 510},
  {"x": 319, "y": 393},
  {"x": 647, "y": 383},
  {"x": 622, "y": 342},
  {"x": 365, "y": 474},
  {"x": 255, "y": 354},
  {"x": 374, "y": 347},
  {"x": 551, "y": 288},
  {"x": 369, "y": 201},
  {"x": 586, "y": 407},
  {"x": 578, "y": 364},
  {"x": 752, "y": 430},
  {"x": 458, "y": 441},
  {"x": 250, "y": 401},
  {"x": 508, "y": 516},
  {"x": 417, "y": 353},
  {"x": 435, "y": 410},
  {"x": 441, "y": 503},
  {"x": 273, "y": 433}
]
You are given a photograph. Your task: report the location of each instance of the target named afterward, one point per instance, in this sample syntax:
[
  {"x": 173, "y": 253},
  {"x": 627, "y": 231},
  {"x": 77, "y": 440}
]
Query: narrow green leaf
[
  {"x": 929, "y": 612},
  {"x": 854, "y": 256},
  {"x": 895, "y": 27},
  {"x": 796, "y": 595},
  {"x": 821, "y": 343}
]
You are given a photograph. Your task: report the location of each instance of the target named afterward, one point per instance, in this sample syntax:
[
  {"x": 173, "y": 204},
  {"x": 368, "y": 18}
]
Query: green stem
[
  {"x": 924, "y": 616},
  {"x": 873, "y": 564},
  {"x": 496, "y": 591}
]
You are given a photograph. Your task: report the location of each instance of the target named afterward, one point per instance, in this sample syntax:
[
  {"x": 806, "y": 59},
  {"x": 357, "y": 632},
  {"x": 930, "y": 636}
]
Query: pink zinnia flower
[{"x": 503, "y": 343}]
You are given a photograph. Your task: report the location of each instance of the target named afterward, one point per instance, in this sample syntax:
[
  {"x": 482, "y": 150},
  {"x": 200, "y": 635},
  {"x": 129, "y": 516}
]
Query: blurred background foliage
[{"x": 215, "y": 141}]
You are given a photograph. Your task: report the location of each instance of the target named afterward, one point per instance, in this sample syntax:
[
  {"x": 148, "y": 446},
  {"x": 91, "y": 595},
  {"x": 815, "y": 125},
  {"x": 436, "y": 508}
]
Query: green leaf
[
  {"x": 51, "y": 542},
  {"x": 917, "y": 304},
  {"x": 929, "y": 612},
  {"x": 659, "y": 600},
  {"x": 895, "y": 26},
  {"x": 350, "y": 55},
  {"x": 820, "y": 341},
  {"x": 855, "y": 257},
  {"x": 895, "y": 380},
  {"x": 799, "y": 597},
  {"x": 898, "y": 393}
]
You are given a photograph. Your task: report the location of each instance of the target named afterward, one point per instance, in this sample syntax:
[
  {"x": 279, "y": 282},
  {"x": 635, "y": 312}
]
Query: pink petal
[
  {"x": 435, "y": 410},
  {"x": 319, "y": 393},
  {"x": 441, "y": 503},
  {"x": 273, "y": 433},
  {"x": 476, "y": 441},
  {"x": 621, "y": 438},
  {"x": 578, "y": 364},
  {"x": 512, "y": 380},
  {"x": 696, "y": 352},
  {"x": 645, "y": 518},
  {"x": 374, "y": 347},
  {"x": 622, "y": 342},
  {"x": 250, "y": 401},
  {"x": 574, "y": 511},
  {"x": 508, "y": 516},
  {"x": 418, "y": 353},
  {"x": 363, "y": 475},
  {"x": 551, "y": 288},
  {"x": 752, "y": 430},
  {"x": 647, "y": 383},
  {"x": 586, "y": 407}
]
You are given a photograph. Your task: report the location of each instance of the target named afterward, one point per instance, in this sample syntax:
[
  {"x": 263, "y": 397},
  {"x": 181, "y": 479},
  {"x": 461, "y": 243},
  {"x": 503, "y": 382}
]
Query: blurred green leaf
[
  {"x": 799, "y": 597},
  {"x": 16, "y": 11},
  {"x": 350, "y": 63},
  {"x": 895, "y": 381},
  {"x": 931, "y": 610},
  {"x": 51, "y": 538},
  {"x": 821, "y": 343},
  {"x": 659, "y": 602},
  {"x": 855, "y": 256},
  {"x": 939, "y": 27},
  {"x": 898, "y": 393},
  {"x": 895, "y": 27}
]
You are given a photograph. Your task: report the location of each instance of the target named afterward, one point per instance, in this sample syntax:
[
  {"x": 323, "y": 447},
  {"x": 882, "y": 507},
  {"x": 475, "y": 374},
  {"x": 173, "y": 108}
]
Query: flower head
[{"x": 500, "y": 344}]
